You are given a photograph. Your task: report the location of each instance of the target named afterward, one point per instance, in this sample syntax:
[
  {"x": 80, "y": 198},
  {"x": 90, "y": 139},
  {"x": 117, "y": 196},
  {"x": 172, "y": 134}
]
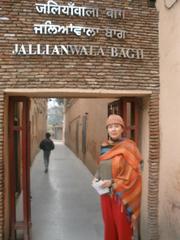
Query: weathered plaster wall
[
  {"x": 38, "y": 122},
  {"x": 96, "y": 113},
  {"x": 169, "y": 202}
]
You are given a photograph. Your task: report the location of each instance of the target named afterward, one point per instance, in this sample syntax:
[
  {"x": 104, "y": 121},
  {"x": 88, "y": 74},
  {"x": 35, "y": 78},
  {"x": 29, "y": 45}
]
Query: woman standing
[{"x": 119, "y": 169}]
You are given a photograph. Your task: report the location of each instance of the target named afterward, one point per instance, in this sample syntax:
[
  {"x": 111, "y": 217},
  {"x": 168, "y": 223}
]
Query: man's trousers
[{"x": 46, "y": 159}]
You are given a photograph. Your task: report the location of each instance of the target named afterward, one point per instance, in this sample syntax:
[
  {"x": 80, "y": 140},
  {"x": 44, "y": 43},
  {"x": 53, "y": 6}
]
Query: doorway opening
[{"x": 75, "y": 133}]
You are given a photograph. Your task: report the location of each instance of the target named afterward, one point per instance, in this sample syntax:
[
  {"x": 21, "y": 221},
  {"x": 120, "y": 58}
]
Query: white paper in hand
[{"x": 98, "y": 186}]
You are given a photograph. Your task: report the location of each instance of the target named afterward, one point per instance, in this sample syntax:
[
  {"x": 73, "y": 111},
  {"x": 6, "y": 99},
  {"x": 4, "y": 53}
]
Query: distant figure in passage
[{"x": 47, "y": 146}]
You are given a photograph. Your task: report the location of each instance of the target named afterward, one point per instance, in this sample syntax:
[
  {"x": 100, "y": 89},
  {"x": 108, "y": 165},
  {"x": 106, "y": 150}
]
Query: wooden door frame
[
  {"x": 24, "y": 225},
  {"x": 136, "y": 123}
]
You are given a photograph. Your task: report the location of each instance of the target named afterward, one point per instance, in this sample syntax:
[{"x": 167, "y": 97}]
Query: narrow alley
[{"x": 64, "y": 205}]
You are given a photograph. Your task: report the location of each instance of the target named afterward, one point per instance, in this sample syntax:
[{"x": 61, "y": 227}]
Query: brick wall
[
  {"x": 153, "y": 188},
  {"x": 85, "y": 72},
  {"x": 1, "y": 167},
  {"x": 80, "y": 71}
]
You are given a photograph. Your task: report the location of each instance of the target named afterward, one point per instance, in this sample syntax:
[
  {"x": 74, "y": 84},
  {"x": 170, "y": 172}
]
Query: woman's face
[{"x": 115, "y": 131}]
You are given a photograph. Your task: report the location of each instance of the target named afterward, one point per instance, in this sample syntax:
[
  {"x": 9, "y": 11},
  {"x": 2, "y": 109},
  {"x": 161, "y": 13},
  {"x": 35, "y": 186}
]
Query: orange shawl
[{"x": 126, "y": 175}]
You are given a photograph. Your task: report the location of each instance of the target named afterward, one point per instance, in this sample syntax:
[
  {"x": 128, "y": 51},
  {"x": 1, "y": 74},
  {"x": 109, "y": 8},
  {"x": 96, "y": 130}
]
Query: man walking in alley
[{"x": 47, "y": 146}]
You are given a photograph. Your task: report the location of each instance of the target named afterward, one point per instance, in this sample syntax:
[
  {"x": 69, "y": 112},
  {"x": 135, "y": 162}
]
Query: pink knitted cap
[{"x": 115, "y": 119}]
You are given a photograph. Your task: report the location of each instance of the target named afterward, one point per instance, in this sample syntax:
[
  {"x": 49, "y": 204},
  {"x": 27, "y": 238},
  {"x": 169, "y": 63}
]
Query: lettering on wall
[
  {"x": 71, "y": 10},
  {"x": 49, "y": 28},
  {"x": 85, "y": 50}
]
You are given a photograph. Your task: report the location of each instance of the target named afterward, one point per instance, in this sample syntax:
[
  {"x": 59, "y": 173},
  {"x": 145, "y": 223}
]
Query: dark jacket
[{"x": 46, "y": 145}]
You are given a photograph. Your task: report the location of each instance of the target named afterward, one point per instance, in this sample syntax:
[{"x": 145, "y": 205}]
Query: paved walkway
[{"x": 64, "y": 205}]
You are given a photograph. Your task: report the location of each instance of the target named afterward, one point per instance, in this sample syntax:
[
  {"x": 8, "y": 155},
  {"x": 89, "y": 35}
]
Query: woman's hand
[
  {"x": 106, "y": 183},
  {"x": 94, "y": 179}
]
